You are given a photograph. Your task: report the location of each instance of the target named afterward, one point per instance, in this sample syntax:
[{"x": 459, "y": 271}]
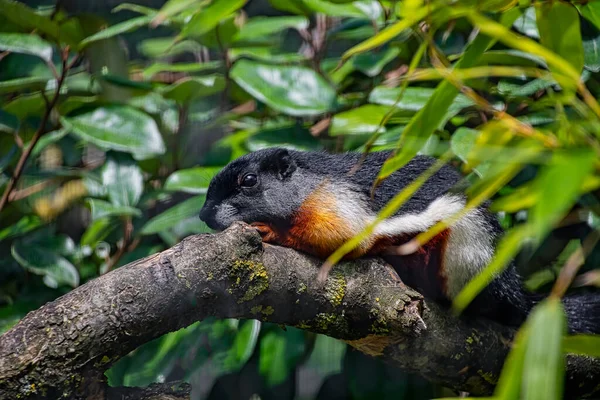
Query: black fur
[{"x": 286, "y": 177}]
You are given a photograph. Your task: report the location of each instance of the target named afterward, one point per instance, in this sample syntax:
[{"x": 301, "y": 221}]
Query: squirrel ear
[{"x": 284, "y": 163}]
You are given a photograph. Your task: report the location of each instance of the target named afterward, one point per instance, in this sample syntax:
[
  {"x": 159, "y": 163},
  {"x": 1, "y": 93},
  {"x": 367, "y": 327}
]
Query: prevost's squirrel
[{"x": 311, "y": 202}]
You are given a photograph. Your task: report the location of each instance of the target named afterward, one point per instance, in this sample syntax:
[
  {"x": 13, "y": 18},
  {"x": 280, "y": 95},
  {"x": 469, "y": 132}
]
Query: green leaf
[
  {"x": 244, "y": 344},
  {"x": 544, "y": 364},
  {"x": 180, "y": 67},
  {"x": 26, "y": 224},
  {"x": 97, "y": 231},
  {"x": 358, "y": 121},
  {"x": 526, "y": 24},
  {"x": 187, "y": 89},
  {"x": 120, "y": 128},
  {"x": 266, "y": 54},
  {"x": 591, "y": 52},
  {"x": 26, "y": 44},
  {"x": 173, "y": 215},
  {"x": 371, "y": 64},
  {"x": 259, "y": 27},
  {"x": 27, "y": 83},
  {"x": 591, "y": 12},
  {"x": 272, "y": 364},
  {"x": 25, "y": 17},
  {"x": 209, "y": 17},
  {"x": 415, "y": 98},
  {"x": 558, "y": 24},
  {"x": 47, "y": 139},
  {"x": 101, "y": 209},
  {"x": 295, "y": 91},
  {"x": 43, "y": 262},
  {"x": 588, "y": 345},
  {"x": 172, "y": 8},
  {"x": 123, "y": 180},
  {"x": 192, "y": 180},
  {"x": 511, "y": 377},
  {"x": 570, "y": 168},
  {"x": 167, "y": 47},
  {"x": 431, "y": 116},
  {"x": 117, "y": 29}
]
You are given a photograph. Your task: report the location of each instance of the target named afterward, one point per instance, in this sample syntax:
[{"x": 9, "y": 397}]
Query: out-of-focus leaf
[
  {"x": 117, "y": 29},
  {"x": 591, "y": 52},
  {"x": 47, "y": 139},
  {"x": 26, "y": 44},
  {"x": 123, "y": 180},
  {"x": 29, "y": 83},
  {"x": 279, "y": 355},
  {"x": 523, "y": 89},
  {"x": 97, "y": 231},
  {"x": 267, "y": 54},
  {"x": 355, "y": 9},
  {"x": 511, "y": 377},
  {"x": 171, "y": 8},
  {"x": 185, "y": 90},
  {"x": 414, "y": 99},
  {"x": 371, "y": 64},
  {"x": 591, "y": 12},
  {"x": 544, "y": 363},
  {"x": 167, "y": 47},
  {"x": 293, "y": 6},
  {"x": 8, "y": 122},
  {"x": 558, "y": 24},
  {"x": 588, "y": 345},
  {"x": 361, "y": 120},
  {"x": 173, "y": 215},
  {"x": 209, "y": 17},
  {"x": 102, "y": 209},
  {"x": 559, "y": 184},
  {"x": 258, "y": 27},
  {"x": 221, "y": 37},
  {"x": 118, "y": 128},
  {"x": 180, "y": 67},
  {"x": 26, "y": 224},
  {"x": 244, "y": 344},
  {"x": 526, "y": 23},
  {"x": 296, "y": 91},
  {"x": 192, "y": 180},
  {"x": 43, "y": 262},
  {"x": 462, "y": 142}
]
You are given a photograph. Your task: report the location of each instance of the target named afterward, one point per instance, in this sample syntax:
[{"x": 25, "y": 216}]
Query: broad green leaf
[
  {"x": 415, "y": 98},
  {"x": 47, "y": 139},
  {"x": 430, "y": 117},
  {"x": 167, "y": 47},
  {"x": 187, "y": 89},
  {"x": 180, "y": 67},
  {"x": 171, "y": 8},
  {"x": 359, "y": 121},
  {"x": 26, "y": 44},
  {"x": 117, "y": 29},
  {"x": 25, "y": 17},
  {"x": 244, "y": 344},
  {"x": 296, "y": 91},
  {"x": 293, "y": 6},
  {"x": 102, "y": 209},
  {"x": 278, "y": 356},
  {"x": 26, "y": 224},
  {"x": 591, "y": 52},
  {"x": 558, "y": 24},
  {"x": 259, "y": 27},
  {"x": 29, "y": 83},
  {"x": 97, "y": 231},
  {"x": 44, "y": 262},
  {"x": 582, "y": 344},
  {"x": 591, "y": 12},
  {"x": 544, "y": 363},
  {"x": 123, "y": 180},
  {"x": 120, "y": 128},
  {"x": 559, "y": 184},
  {"x": 526, "y": 23},
  {"x": 192, "y": 180},
  {"x": 173, "y": 215},
  {"x": 209, "y": 17}
]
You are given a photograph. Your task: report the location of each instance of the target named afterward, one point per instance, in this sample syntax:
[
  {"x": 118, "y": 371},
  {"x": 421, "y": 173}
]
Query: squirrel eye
[{"x": 249, "y": 180}]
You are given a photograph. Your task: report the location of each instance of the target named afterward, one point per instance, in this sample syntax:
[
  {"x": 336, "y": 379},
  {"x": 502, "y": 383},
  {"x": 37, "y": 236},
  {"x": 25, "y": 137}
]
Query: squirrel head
[{"x": 263, "y": 186}]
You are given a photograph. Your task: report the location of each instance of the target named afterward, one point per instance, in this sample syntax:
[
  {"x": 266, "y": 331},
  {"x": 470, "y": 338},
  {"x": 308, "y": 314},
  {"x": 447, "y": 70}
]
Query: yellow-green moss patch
[
  {"x": 335, "y": 289},
  {"x": 251, "y": 274}
]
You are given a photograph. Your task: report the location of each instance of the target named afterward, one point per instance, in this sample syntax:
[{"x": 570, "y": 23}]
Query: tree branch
[{"x": 66, "y": 345}]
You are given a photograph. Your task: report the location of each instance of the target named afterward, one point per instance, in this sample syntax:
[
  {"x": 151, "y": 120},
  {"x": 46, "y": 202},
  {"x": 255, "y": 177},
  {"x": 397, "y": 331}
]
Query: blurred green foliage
[{"x": 111, "y": 128}]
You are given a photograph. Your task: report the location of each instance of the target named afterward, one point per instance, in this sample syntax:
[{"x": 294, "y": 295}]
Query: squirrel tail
[{"x": 583, "y": 312}]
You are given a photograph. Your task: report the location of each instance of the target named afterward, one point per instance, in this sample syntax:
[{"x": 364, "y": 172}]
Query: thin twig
[{"x": 39, "y": 132}]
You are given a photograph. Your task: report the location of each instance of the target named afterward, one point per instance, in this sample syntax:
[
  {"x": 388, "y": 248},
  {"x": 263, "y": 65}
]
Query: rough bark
[{"x": 63, "y": 348}]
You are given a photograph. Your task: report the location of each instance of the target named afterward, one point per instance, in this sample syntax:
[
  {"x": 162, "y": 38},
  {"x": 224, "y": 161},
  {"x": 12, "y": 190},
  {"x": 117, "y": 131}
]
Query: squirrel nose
[{"x": 206, "y": 211}]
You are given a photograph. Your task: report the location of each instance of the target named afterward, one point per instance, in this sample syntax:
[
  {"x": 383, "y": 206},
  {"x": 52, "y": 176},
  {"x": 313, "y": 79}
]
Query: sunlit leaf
[
  {"x": 118, "y": 128},
  {"x": 26, "y": 224},
  {"x": 258, "y": 27},
  {"x": 588, "y": 345},
  {"x": 123, "y": 180},
  {"x": 591, "y": 11},
  {"x": 102, "y": 209},
  {"x": 26, "y": 44},
  {"x": 171, "y": 8},
  {"x": 173, "y": 215},
  {"x": 192, "y": 180},
  {"x": 296, "y": 91}
]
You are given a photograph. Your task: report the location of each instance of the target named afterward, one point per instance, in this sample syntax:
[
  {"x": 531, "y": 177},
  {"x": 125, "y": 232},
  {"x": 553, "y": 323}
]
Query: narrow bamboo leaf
[
  {"x": 559, "y": 185},
  {"x": 544, "y": 363},
  {"x": 171, "y": 8},
  {"x": 117, "y": 29},
  {"x": 192, "y": 180},
  {"x": 208, "y": 18},
  {"x": 588, "y": 345},
  {"x": 173, "y": 215},
  {"x": 292, "y": 90},
  {"x": 558, "y": 24},
  {"x": 511, "y": 377},
  {"x": 26, "y": 44}
]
